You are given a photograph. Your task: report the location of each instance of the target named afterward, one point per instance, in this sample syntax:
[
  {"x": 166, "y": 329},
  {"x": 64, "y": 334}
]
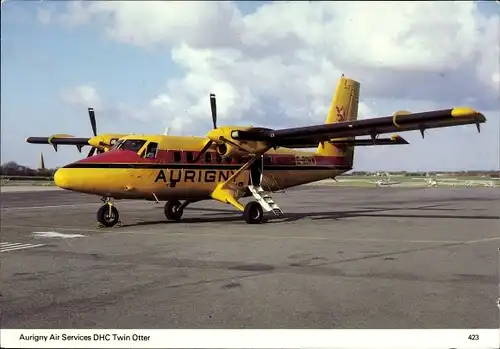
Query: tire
[
  {"x": 253, "y": 214},
  {"x": 172, "y": 211},
  {"x": 107, "y": 218}
]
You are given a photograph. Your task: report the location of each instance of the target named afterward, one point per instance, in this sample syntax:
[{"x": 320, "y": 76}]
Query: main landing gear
[
  {"x": 174, "y": 209},
  {"x": 108, "y": 215},
  {"x": 253, "y": 213}
]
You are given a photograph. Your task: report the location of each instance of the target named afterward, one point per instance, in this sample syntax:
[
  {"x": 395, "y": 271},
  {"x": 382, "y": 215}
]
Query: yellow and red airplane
[{"x": 233, "y": 162}]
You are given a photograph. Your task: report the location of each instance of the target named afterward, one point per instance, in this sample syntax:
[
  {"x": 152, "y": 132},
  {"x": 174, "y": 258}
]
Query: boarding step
[{"x": 265, "y": 200}]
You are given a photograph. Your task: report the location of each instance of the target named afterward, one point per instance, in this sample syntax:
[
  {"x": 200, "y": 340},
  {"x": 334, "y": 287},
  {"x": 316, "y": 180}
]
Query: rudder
[{"x": 344, "y": 107}]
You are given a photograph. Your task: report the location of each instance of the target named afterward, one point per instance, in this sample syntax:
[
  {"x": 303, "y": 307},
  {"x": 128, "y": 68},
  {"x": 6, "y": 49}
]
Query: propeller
[
  {"x": 213, "y": 108},
  {"x": 94, "y": 129}
]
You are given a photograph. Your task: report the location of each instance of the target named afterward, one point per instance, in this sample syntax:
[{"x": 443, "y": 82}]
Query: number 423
[{"x": 473, "y": 337}]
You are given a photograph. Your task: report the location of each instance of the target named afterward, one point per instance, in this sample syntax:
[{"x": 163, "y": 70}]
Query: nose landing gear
[{"x": 108, "y": 215}]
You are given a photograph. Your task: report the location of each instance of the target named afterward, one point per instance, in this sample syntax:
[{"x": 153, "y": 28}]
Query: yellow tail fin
[{"x": 344, "y": 107}]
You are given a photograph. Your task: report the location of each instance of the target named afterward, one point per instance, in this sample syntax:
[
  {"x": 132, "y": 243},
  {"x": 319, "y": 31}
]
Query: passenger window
[
  {"x": 218, "y": 158},
  {"x": 151, "y": 150},
  {"x": 189, "y": 156},
  {"x": 208, "y": 158},
  {"x": 177, "y": 156}
]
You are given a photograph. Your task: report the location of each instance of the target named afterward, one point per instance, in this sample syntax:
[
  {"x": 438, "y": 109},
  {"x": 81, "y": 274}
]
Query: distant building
[{"x": 42, "y": 163}]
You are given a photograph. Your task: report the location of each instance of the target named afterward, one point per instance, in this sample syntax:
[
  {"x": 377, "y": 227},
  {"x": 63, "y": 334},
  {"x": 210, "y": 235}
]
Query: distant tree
[{"x": 12, "y": 168}]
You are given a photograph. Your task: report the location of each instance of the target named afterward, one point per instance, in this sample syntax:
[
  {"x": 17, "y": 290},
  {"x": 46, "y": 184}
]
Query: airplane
[
  {"x": 234, "y": 162},
  {"x": 434, "y": 182},
  {"x": 385, "y": 181}
]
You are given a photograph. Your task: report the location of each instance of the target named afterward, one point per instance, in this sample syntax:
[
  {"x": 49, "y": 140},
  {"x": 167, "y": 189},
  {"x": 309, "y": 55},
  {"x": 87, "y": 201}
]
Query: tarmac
[{"x": 341, "y": 258}]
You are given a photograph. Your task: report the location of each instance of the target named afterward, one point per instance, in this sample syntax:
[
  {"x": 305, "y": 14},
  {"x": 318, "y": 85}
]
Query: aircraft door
[
  {"x": 256, "y": 171},
  {"x": 150, "y": 152}
]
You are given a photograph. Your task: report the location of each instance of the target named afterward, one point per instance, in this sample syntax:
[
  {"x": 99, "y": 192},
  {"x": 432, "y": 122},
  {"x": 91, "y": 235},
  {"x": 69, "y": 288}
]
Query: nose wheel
[{"x": 108, "y": 215}]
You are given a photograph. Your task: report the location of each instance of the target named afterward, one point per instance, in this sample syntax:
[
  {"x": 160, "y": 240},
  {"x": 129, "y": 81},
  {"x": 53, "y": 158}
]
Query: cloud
[
  {"x": 82, "y": 96},
  {"x": 44, "y": 15},
  {"x": 278, "y": 65}
]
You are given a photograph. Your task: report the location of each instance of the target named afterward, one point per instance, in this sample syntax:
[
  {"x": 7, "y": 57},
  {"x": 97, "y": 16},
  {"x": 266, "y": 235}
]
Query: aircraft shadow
[{"x": 228, "y": 215}]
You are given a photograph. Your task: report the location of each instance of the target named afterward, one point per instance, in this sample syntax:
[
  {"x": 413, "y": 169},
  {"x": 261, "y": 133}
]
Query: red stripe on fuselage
[{"x": 167, "y": 156}]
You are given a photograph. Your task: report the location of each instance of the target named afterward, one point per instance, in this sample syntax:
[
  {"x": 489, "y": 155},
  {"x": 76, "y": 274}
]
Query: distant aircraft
[
  {"x": 454, "y": 182},
  {"x": 385, "y": 181},
  {"x": 233, "y": 162}
]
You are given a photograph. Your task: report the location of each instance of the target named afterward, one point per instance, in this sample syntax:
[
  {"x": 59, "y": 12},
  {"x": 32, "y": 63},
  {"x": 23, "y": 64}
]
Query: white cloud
[
  {"x": 278, "y": 66},
  {"x": 44, "y": 15},
  {"x": 82, "y": 96}
]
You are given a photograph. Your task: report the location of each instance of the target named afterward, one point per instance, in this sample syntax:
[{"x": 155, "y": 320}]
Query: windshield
[
  {"x": 117, "y": 144},
  {"x": 133, "y": 144},
  {"x": 129, "y": 144}
]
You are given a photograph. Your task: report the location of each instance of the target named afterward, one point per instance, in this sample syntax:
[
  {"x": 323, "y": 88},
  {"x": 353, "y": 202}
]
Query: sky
[{"x": 145, "y": 66}]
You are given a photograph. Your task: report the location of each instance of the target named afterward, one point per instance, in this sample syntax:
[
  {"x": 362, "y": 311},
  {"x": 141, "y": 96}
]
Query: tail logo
[{"x": 340, "y": 112}]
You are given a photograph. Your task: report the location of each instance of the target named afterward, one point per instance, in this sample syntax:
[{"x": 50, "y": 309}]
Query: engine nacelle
[{"x": 227, "y": 150}]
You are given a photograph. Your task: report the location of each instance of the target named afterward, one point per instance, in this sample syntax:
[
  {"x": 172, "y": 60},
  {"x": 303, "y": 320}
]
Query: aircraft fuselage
[{"x": 123, "y": 174}]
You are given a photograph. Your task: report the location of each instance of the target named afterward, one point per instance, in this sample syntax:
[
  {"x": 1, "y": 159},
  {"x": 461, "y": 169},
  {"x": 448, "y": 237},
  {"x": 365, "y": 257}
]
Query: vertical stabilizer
[{"x": 344, "y": 107}]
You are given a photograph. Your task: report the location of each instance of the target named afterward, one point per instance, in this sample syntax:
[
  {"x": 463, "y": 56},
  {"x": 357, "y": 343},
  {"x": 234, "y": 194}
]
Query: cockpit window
[
  {"x": 117, "y": 144},
  {"x": 151, "y": 150},
  {"x": 132, "y": 144}
]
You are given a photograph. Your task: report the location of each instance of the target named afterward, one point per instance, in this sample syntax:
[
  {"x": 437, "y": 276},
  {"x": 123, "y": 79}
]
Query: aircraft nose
[{"x": 61, "y": 178}]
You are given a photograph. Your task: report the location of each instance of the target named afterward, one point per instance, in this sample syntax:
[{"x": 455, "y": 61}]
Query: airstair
[{"x": 265, "y": 200}]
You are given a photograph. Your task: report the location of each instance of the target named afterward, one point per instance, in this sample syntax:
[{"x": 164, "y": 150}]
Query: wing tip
[
  {"x": 401, "y": 112},
  {"x": 398, "y": 139},
  {"x": 459, "y": 112}
]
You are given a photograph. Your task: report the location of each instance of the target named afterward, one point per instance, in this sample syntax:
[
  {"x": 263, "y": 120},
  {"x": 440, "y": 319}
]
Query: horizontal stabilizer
[{"x": 369, "y": 142}]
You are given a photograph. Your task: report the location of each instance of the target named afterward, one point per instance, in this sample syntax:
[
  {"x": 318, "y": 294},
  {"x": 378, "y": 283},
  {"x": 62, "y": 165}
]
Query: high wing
[
  {"x": 306, "y": 136},
  {"x": 100, "y": 143},
  {"x": 60, "y": 139},
  {"x": 393, "y": 140}
]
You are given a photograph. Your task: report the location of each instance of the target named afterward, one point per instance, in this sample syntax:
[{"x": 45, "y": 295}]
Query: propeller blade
[
  {"x": 205, "y": 148},
  {"x": 213, "y": 107},
  {"x": 91, "y": 152},
  {"x": 92, "y": 121}
]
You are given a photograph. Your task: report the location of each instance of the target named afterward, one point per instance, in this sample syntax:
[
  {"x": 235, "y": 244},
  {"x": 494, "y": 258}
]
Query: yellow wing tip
[
  {"x": 401, "y": 112},
  {"x": 463, "y": 112}
]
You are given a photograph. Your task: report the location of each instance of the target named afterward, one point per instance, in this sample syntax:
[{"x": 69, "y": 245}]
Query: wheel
[
  {"x": 172, "y": 210},
  {"x": 108, "y": 215},
  {"x": 253, "y": 213}
]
